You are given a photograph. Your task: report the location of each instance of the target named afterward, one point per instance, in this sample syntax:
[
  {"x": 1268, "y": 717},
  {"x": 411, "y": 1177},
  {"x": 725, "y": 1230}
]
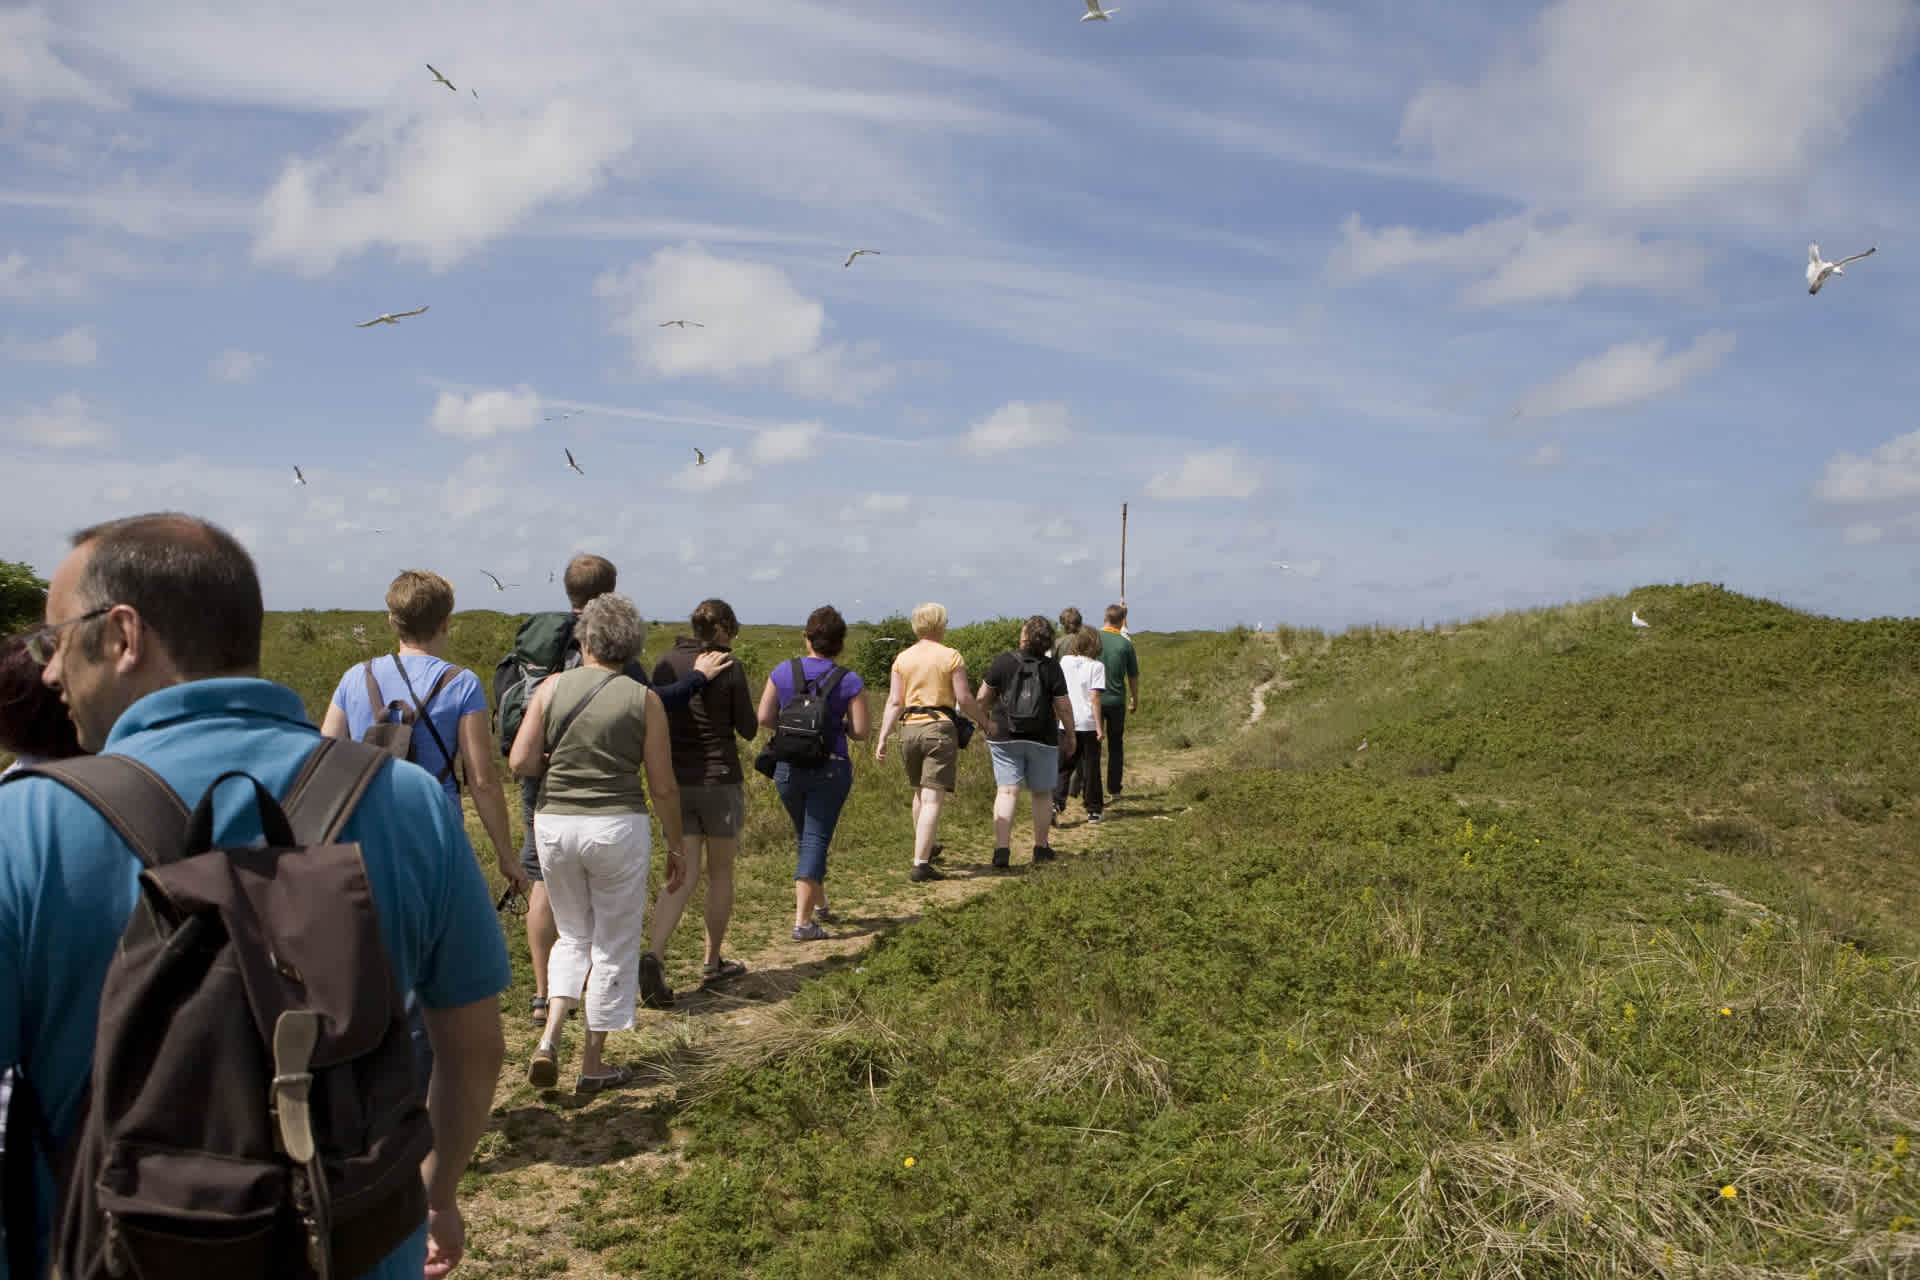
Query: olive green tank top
[{"x": 597, "y": 769}]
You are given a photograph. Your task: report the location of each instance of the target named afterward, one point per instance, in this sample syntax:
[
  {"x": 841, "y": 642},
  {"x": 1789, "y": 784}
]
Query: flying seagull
[
  {"x": 699, "y": 458},
  {"x": 856, "y": 253},
  {"x": 1818, "y": 270},
  {"x": 1639, "y": 621},
  {"x": 297, "y": 477},
  {"x": 682, "y": 323},
  {"x": 440, "y": 79},
  {"x": 497, "y": 584},
  {"x": 570, "y": 461},
  {"x": 391, "y": 317},
  {"x": 1095, "y": 13}
]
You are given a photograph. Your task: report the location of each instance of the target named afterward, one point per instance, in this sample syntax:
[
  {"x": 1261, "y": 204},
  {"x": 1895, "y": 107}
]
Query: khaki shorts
[
  {"x": 931, "y": 751},
  {"x": 719, "y": 810}
]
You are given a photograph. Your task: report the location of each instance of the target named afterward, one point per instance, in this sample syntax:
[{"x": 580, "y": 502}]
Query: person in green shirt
[{"x": 1116, "y": 651}]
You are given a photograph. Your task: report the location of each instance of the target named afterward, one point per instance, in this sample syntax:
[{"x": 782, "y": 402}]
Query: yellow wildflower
[
  {"x": 1729, "y": 1192},
  {"x": 1725, "y": 1012},
  {"x": 908, "y": 1162}
]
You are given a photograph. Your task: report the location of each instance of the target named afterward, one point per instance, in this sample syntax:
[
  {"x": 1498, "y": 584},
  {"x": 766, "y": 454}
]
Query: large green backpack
[{"x": 543, "y": 645}]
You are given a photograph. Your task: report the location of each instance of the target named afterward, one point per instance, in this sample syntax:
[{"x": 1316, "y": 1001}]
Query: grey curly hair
[{"x": 611, "y": 629}]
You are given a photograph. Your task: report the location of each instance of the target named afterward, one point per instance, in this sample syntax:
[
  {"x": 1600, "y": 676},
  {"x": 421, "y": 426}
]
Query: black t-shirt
[{"x": 1000, "y": 673}]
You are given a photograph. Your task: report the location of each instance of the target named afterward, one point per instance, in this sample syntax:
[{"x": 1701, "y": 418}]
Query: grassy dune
[{"x": 1596, "y": 961}]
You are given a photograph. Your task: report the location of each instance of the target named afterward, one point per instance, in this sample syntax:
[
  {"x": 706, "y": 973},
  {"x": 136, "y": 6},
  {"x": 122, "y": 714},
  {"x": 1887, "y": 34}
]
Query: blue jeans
[{"x": 814, "y": 798}]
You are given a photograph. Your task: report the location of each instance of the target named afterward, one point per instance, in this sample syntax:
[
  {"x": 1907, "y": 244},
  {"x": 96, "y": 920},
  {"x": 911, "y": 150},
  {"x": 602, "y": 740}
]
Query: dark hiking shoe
[
  {"x": 1002, "y": 858},
  {"x": 923, "y": 871},
  {"x": 1042, "y": 854},
  {"x": 654, "y": 991}
]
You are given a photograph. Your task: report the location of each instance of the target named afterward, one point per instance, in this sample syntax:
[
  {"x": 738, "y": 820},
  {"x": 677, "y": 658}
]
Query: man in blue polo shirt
[{"x": 153, "y": 637}]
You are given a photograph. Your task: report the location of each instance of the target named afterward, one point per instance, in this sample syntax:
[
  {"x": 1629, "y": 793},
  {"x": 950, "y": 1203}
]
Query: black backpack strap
[
  {"x": 799, "y": 674},
  {"x": 420, "y": 711},
  {"x": 834, "y": 676},
  {"x": 328, "y": 788},
  {"x": 135, "y": 801}
]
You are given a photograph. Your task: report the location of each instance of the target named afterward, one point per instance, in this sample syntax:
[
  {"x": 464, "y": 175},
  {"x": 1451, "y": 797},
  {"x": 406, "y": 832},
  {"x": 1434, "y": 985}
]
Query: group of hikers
[{"x": 137, "y": 711}]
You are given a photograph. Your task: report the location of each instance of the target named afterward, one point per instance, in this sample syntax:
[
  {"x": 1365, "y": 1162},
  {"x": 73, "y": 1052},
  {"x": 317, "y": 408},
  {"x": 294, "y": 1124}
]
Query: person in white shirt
[{"x": 1086, "y": 678}]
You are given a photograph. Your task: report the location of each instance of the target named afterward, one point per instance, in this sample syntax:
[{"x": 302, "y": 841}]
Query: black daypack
[
  {"x": 392, "y": 727},
  {"x": 1029, "y": 709},
  {"x": 254, "y": 1108},
  {"x": 803, "y": 733}
]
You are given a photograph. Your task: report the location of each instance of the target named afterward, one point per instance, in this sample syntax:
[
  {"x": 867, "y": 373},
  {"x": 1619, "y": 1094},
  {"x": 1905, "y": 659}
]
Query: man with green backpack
[{"x": 543, "y": 646}]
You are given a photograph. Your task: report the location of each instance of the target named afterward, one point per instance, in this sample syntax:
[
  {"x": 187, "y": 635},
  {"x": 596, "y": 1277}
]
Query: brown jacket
[{"x": 704, "y": 754}]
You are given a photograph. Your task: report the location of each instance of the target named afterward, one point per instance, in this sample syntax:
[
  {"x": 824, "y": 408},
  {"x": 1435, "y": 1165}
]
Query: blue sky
[{"x": 1371, "y": 312}]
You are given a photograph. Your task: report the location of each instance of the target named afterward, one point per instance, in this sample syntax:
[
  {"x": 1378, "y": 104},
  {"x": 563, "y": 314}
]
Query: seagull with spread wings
[
  {"x": 682, "y": 323},
  {"x": 391, "y": 317},
  {"x": 856, "y": 253},
  {"x": 1818, "y": 269},
  {"x": 570, "y": 461},
  {"x": 298, "y": 478},
  {"x": 499, "y": 585},
  {"x": 440, "y": 79},
  {"x": 1095, "y": 13},
  {"x": 699, "y": 458}
]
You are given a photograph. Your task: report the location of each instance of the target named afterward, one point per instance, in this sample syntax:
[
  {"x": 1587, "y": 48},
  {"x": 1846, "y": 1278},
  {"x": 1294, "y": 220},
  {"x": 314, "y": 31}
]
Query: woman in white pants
[{"x": 587, "y": 735}]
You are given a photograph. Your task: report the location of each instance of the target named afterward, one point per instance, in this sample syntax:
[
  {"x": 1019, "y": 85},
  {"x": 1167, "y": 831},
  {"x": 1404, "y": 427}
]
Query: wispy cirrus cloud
[
  {"x": 76, "y": 348},
  {"x": 485, "y": 414},
  {"x": 68, "y": 421},
  {"x": 1215, "y": 473},
  {"x": 1629, "y": 373},
  {"x": 1018, "y": 425}
]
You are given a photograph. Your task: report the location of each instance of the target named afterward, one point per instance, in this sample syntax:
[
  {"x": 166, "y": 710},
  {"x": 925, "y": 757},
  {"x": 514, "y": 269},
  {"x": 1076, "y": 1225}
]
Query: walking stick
[{"x": 1123, "y": 554}]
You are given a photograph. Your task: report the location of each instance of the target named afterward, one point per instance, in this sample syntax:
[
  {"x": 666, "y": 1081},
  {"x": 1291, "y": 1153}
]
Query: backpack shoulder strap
[
  {"x": 799, "y": 677},
  {"x": 328, "y": 788},
  {"x": 147, "y": 813},
  {"x": 578, "y": 707},
  {"x": 374, "y": 699},
  {"x": 835, "y": 674},
  {"x": 422, "y": 708}
]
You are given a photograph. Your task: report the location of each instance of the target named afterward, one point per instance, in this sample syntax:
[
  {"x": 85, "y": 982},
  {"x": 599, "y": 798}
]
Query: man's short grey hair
[{"x": 611, "y": 629}]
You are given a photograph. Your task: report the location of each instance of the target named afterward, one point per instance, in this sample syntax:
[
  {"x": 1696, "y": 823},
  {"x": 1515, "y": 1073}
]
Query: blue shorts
[{"x": 1016, "y": 763}]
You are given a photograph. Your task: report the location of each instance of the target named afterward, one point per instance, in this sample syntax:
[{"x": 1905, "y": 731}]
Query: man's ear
[{"x": 124, "y": 630}]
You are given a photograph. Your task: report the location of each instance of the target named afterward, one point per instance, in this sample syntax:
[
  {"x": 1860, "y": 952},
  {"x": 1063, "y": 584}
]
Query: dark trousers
[
  {"x": 1116, "y": 743},
  {"x": 1082, "y": 771}
]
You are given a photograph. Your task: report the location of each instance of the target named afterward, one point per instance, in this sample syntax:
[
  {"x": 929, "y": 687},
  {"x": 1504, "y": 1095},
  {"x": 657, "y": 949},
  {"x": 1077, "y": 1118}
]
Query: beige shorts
[
  {"x": 931, "y": 751},
  {"x": 719, "y": 810}
]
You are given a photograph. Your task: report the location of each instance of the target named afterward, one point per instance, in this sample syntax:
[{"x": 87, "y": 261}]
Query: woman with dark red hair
[{"x": 33, "y": 721}]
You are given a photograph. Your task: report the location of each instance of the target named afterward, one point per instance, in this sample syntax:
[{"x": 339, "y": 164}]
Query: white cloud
[
  {"x": 478, "y": 485},
  {"x": 887, "y": 504},
  {"x": 485, "y": 414},
  {"x": 434, "y": 187},
  {"x": 1549, "y": 454},
  {"x": 1609, "y": 546},
  {"x": 68, "y": 422},
  {"x": 1646, "y": 102},
  {"x": 76, "y": 348},
  {"x": 1863, "y": 535},
  {"x": 791, "y": 443},
  {"x": 722, "y": 469},
  {"x": 235, "y": 365},
  {"x": 1890, "y": 473},
  {"x": 844, "y": 373},
  {"x": 1075, "y": 556},
  {"x": 1627, "y": 374},
  {"x": 31, "y": 72},
  {"x": 21, "y": 281},
  {"x": 1018, "y": 425},
  {"x": 1217, "y": 473},
  {"x": 1520, "y": 260},
  {"x": 754, "y": 317}
]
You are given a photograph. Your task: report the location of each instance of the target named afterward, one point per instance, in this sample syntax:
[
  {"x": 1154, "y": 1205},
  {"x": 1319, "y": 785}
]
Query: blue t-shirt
[
  {"x": 461, "y": 697},
  {"x": 815, "y": 670},
  {"x": 68, "y": 883}
]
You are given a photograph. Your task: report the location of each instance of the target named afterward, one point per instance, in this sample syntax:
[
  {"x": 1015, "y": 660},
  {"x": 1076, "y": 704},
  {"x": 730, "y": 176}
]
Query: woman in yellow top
[{"x": 926, "y": 690}]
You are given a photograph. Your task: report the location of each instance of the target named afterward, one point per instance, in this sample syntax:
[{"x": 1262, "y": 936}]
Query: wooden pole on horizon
[{"x": 1123, "y": 555}]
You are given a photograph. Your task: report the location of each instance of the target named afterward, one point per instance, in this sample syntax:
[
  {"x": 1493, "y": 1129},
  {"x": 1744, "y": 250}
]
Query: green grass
[{"x": 1601, "y": 923}]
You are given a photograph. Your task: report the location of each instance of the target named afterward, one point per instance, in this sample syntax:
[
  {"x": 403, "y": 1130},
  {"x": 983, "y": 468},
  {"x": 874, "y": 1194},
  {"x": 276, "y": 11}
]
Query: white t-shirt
[{"x": 1086, "y": 677}]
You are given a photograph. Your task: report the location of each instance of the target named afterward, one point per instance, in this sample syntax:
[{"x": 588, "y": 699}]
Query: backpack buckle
[{"x": 295, "y": 1034}]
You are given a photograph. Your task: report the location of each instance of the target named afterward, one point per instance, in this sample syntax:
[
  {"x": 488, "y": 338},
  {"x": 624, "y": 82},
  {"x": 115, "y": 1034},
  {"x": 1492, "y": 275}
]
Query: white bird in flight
[
  {"x": 682, "y": 323},
  {"x": 570, "y": 461},
  {"x": 1639, "y": 621},
  {"x": 1818, "y": 270},
  {"x": 297, "y": 477},
  {"x": 699, "y": 458},
  {"x": 497, "y": 584},
  {"x": 856, "y": 253},
  {"x": 442, "y": 79},
  {"x": 391, "y": 317},
  {"x": 1095, "y": 13}
]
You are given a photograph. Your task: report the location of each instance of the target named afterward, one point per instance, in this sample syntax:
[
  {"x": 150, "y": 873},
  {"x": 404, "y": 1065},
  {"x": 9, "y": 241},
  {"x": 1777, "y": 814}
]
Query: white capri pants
[{"x": 596, "y": 874}]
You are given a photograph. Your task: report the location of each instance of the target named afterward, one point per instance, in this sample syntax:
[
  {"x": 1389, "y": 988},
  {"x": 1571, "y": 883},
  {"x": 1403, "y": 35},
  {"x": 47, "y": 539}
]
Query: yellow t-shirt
[{"x": 924, "y": 675}]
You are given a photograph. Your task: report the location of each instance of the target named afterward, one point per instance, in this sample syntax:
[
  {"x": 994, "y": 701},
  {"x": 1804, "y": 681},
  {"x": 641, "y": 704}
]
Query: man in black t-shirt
[{"x": 1030, "y": 720}]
